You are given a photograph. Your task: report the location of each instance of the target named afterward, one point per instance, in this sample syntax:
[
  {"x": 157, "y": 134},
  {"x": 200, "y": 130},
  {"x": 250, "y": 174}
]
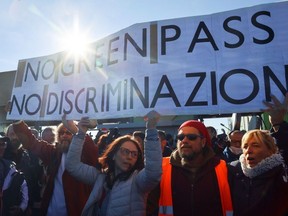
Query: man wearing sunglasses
[
  {"x": 63, "y": 195},
  {"x": 195, "y": 176}
]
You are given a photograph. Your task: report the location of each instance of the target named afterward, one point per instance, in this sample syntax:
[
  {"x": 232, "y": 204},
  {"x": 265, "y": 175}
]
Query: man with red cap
[{"x": 194, "y": 180}]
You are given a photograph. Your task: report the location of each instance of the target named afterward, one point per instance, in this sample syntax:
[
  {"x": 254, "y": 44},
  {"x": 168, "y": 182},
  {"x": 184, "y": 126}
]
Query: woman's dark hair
[
  {"x": 102, "y": 143},
  {"x": 108, "y": 163}
]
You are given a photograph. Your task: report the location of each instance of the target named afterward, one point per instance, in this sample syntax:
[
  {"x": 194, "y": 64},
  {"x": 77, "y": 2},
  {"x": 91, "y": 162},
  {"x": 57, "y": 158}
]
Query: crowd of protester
[{"x": 66, "y": 172}]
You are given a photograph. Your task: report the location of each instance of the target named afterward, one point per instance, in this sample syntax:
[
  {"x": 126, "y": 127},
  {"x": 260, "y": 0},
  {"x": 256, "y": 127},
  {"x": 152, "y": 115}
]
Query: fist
[{"x": 92, "y": 123}]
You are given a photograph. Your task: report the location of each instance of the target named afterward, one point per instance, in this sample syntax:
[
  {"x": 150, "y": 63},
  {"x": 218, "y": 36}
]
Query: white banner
[{"x": 214, "y": 64}]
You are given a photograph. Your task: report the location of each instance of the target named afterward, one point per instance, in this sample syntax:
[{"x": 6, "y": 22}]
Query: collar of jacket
[
  {"x": 263, "y": 166},
  {"x": 176, "y": 160}
]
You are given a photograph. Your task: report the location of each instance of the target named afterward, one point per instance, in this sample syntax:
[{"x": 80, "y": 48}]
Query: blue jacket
[
  {"x": 229, "y": 156},
  {"x": 126, "y": 197}
]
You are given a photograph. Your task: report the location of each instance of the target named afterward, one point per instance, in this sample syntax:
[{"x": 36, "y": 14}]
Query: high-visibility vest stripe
[
  {"x": 166, "y": 210},
  {"x": 222, "y": 177},
  {"x": 165, "y": 202}
]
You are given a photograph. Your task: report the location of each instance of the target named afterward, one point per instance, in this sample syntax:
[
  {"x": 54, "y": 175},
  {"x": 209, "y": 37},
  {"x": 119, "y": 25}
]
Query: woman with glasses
[{"x": 121, "y": 186}]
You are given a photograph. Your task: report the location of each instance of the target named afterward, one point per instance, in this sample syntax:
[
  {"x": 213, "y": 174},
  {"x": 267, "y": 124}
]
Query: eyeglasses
[
  {"x": 64, "y": 132},
  {"x": 191, "y": 137},
  {"x": 3, "y": 144},
  {"x": 126, "y": 152}
]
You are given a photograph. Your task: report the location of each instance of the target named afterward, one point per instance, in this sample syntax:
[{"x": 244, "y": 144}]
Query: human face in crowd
[
  {"x": 235, "y": 139},
  {"x": 14, "y": 140},
  {"x": 162, "y": 138},
  {"x": 254, "y": 150},
  {"x": 163, "y": 144},
  {"x": 3, "y": 145},
  {"x": 140, "y": 141},
  {"x": 212, "y": 132},
  {"x": 126, "y": 157},
  {"x": 190, "y": 148},
  {"x": 64, "y": 139},
  {"x": 48, "y": 135}
]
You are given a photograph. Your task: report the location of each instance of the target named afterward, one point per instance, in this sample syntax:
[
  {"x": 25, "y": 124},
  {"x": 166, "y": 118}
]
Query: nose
[
  {"x": 249, "y": 150},
  {"x": 129, "y": 156}
]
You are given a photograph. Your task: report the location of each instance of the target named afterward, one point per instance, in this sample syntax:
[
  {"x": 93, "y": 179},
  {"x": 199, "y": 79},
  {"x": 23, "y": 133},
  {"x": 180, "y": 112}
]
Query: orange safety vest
[{"x": 165, "y": 202}]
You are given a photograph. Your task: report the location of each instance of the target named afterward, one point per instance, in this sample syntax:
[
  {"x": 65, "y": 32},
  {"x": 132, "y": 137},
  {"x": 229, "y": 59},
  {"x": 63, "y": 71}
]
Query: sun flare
[
  {"x": 75, "y": 44},
  {"x": 75, "y": 41}
]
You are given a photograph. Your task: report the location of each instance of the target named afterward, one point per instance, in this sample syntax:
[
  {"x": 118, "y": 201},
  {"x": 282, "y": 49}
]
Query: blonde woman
[{"x": 259, "y": 181}]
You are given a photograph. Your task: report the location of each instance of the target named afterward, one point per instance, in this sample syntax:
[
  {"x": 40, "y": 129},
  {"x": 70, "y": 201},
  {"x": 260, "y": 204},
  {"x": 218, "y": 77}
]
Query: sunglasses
[
  {"x": 126, "y": 152},
  {"x": 191, "y": 137},
  {"x": 64, "y": 132}
]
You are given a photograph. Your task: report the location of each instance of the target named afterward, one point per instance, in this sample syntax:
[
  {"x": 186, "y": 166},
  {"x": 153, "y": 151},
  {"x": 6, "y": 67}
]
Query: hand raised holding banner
[
  {"x": 69, "y": 124},
  {"x": 84, "y": 124}
]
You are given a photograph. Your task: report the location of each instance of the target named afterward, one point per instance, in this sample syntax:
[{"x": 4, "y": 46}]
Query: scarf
[{"x": 265, "y": 165}]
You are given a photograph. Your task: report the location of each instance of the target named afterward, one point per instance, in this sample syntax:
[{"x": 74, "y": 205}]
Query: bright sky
[{"x": 33, "y": 28}]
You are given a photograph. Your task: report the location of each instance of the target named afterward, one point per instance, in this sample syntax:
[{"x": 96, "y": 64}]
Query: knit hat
[{"x": 199, "y": 126}]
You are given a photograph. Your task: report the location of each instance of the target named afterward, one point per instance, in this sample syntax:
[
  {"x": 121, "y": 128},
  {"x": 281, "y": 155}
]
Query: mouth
[
  {"x": 65, "y": 142},
  {"x": 127, "y": 165},
  {"x": 250, "y": 160},
  {"x": 184, "y": 145}
]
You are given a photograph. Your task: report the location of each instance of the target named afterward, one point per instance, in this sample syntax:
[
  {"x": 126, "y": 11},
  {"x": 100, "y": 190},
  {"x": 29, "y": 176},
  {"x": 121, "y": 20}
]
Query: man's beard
[
  {"x": 64, "y": 146},
  {"x": 190, "y": 156}
]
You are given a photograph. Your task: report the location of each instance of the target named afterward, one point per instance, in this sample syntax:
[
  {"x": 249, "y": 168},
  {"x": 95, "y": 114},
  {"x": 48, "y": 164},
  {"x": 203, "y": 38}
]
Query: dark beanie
[{"x": 200, "y": 126}]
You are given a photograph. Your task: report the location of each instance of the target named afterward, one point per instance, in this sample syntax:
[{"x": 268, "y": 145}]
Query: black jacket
[
  {"x": 264, "y": 194},
  {"x": 12, "y": 196},
  {"x": 281, "y": 137}
]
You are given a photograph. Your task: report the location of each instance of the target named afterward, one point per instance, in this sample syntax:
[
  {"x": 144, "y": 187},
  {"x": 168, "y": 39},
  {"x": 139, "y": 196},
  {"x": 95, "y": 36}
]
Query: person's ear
[{"x": 203, "y": 142}]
